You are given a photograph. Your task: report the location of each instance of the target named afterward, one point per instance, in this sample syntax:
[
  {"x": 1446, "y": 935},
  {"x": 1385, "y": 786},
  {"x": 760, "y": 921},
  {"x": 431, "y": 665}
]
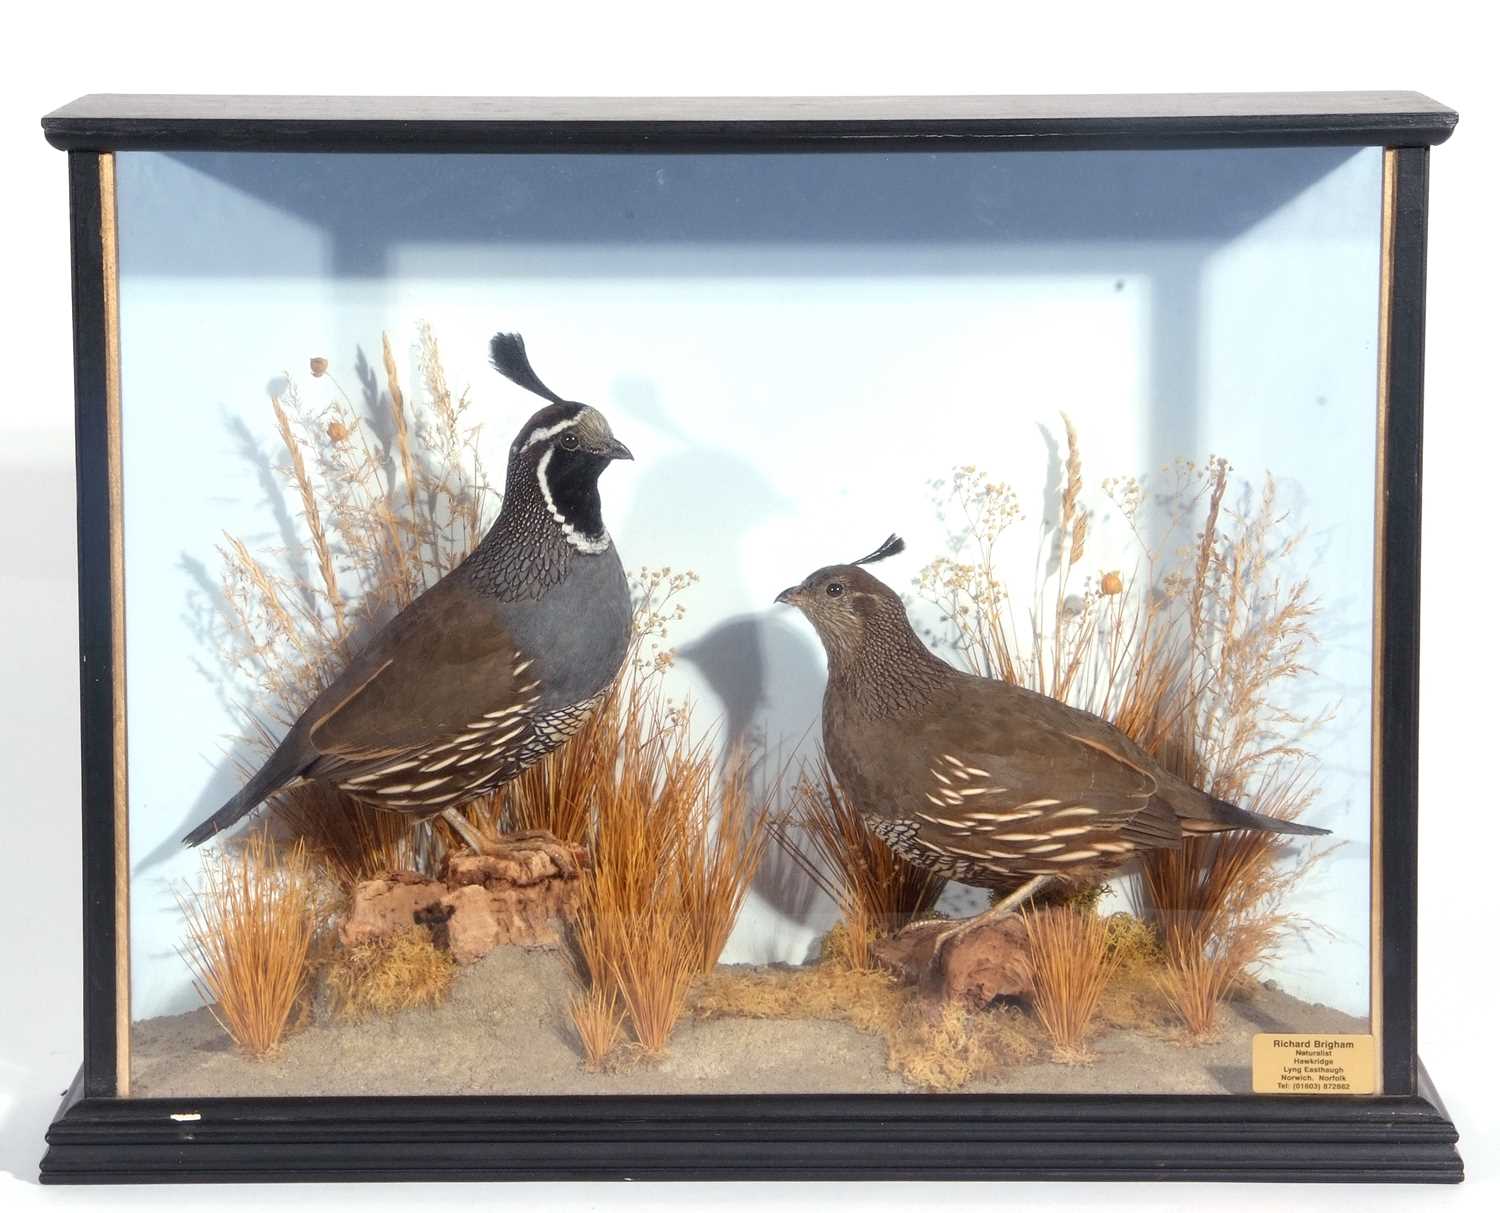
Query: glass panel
[{"x": 1121, "y": 408}]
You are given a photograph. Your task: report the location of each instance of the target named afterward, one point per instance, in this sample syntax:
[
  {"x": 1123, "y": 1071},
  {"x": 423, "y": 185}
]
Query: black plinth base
[{"x": 1389, "y": 1139}]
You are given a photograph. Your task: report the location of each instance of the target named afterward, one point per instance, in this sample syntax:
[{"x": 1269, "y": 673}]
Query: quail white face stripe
[
  {"x": 589, "y": 544},
  {"x": 544, "y": 432}
]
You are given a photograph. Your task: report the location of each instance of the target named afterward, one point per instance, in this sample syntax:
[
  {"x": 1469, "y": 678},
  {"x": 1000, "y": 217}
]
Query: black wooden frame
[{"x": 1401, "y": 1135}]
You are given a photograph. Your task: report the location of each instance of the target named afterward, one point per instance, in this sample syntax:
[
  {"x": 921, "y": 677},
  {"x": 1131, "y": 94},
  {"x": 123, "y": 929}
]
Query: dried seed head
[
  {"x": 1110, "y": 583},
  {"x": 318, "y": 366},
  {"x": 337, "y": 430},
  {"x": 1080, "y": 537}
]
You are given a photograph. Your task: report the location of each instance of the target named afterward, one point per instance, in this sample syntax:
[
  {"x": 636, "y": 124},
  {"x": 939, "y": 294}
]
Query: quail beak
[
  {"x": 789, "y": 595},
  {"x": 615, "y": 449}
]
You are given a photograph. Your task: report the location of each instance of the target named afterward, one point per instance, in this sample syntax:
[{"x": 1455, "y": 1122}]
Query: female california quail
[
  {"x": 988, "y": 783},
  {"x": 497, "y": 663}
]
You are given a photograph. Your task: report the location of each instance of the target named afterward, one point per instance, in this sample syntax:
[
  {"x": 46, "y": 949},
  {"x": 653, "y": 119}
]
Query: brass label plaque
[{"x": 1314, "y": 1064}]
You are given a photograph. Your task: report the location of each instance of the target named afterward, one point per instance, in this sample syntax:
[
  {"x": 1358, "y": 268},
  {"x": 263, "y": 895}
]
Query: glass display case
[{"x": 512, "y": 747}]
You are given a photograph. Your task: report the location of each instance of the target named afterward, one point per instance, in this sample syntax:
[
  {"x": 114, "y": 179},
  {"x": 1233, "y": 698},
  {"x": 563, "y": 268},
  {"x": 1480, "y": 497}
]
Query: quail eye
[
  {"x": 835, "y": 588},
  {"x": 570, "y": 442}
]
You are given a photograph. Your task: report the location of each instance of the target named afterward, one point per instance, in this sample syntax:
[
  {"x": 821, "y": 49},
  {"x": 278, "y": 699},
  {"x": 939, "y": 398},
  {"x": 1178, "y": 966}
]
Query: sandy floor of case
[{"x": 505, "y": 1030}]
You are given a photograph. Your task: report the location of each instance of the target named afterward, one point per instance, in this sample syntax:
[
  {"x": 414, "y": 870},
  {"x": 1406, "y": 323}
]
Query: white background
[{"x": 766, "y": 48}]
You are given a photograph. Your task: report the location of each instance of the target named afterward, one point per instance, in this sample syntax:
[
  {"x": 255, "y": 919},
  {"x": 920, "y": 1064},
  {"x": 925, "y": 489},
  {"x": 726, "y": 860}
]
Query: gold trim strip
[
  {"x": 109, "y": 239},
  {"x": 1377, "y": 665}
]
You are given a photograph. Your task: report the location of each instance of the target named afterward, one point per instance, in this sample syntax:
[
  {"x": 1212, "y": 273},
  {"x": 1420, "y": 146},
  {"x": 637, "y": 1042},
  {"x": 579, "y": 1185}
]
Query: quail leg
[
  {"x": 465, "y": 830},
  {"x": 1003, "y": 908},
  {"x": 565, "y": 857}
]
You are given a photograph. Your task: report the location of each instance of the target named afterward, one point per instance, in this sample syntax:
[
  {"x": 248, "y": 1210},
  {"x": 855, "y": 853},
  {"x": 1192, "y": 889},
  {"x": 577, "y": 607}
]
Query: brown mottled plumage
[{"x": 988, "y": 783}]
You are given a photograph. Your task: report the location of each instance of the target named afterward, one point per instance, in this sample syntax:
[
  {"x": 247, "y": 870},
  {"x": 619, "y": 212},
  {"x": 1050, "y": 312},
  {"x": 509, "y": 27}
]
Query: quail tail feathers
[
  {"x": 1232, "y": 817},
  {"x": 279, "y": 770}
]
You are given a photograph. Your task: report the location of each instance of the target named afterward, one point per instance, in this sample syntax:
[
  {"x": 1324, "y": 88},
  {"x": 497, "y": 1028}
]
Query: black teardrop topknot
[
  {"x": 508, "y": 356},
  {"x": 893, "y": 546}
]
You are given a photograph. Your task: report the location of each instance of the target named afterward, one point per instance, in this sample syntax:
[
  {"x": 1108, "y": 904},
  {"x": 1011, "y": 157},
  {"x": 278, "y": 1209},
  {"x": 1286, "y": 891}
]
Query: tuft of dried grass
[
  {"x": 394, "y": 973},
  {"x": 1195, "y": 982},
  {"x": 673, "y": 855},
  {"x": 1190, "y": 654},
  {"x": 1072, "y": 962},
  {"x": 652, "y": 972},
  {"x": 600, "y": 1024},
  {"x": 250, "y": 929},
  {"x": 876, "y": 891},
  {"x": 1218, "y": 907},
  {"x": 674, "y": 839}
]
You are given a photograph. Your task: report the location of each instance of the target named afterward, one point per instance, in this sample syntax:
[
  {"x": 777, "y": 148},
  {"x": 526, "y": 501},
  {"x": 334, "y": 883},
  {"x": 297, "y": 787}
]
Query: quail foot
[
  {"x": 988, "y": 783},
  {"x": 493, "y": 666}
]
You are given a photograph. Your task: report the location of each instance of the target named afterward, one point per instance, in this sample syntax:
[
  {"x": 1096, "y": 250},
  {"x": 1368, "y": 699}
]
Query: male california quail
[
  {"x": 988, "y": 783},
  {"x": 497, "y": 663}
]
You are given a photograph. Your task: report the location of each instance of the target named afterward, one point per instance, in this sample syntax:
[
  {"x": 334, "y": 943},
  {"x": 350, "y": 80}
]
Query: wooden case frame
[{"x": 102, "y": 1135}]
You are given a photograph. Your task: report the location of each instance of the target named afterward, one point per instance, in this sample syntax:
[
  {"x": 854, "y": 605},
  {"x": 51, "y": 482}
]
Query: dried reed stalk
[
  {"x": 876, "y": 891},
  {"x": 1072, "y": 962},
  {"x": 250, "y": 930},
  {"x": 312, "y": 516}
]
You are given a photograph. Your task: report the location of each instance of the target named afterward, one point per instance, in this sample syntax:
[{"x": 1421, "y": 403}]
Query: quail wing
[
  {"x": 999, "y": 776},
  {"x": 444, "y": 677}
]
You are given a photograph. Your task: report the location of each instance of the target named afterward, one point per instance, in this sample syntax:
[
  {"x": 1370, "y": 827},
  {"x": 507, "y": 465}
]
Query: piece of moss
[{"x": 386, "y": 975}]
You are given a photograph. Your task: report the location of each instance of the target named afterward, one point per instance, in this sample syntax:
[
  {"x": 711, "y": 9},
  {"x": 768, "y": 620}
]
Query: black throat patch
[{"x": 570, "y": 482}]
